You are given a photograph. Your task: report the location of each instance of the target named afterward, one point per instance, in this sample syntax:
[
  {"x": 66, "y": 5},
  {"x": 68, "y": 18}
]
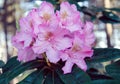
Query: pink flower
[
  {"x": 47, "y": 14},
  {"x": 30, "y": 22},
  {"x": 69, "y": 17},
  {"x": 76, "y": 54},
  {"x": 27, "y": 54},
  {"x": 60, "y": 35},
  {"x": 51, "y": 41},
  {"x": 88, "y": 32},
  {"x": 22, "y": 40},
  {"x": 46, "y": 11}
]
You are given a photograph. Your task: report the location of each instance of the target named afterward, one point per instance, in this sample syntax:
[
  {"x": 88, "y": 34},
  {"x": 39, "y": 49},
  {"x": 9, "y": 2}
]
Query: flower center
[
  {"x": 64, "y": 14},
  {"x": 75, "y": 48},
  {"x": 46, "y": 16},
  {"x": 48, "y": 35}
]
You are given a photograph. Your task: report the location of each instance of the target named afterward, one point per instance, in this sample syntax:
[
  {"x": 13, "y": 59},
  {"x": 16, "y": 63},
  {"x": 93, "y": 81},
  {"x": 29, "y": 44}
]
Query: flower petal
[
  {"x": 52, "y": 55},
  {"x": 46, "y": 8},
  {"x": 26, "y": 54},
  {"x": 64, "y": 56},
  {"x": 81, "y": 64},
  {"x": 63, "y": 43},
  {"x": 68, "y": 67},
  {"x": 40, "y": 47}
]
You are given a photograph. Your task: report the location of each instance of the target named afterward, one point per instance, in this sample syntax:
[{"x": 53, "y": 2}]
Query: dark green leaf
[
  {"x": 11, "y": 63},
  {"x": 80, "y": 0},
  {"x": 114, "y": 9},
  {"x": 40, "y": 78},
  {"x": 35, "y": 77},
  {"x": 88, "y": 11},
  {"x": 52, "y": 78},
  {"x": 108, "y": 20},
  {"x": 105, "y": 82},
  {"x": 3, "y": 79},
  {"x": 21, "y": 68},
  {"x": 114, "y": 70},
  {"x": 1, "y": 63},
  {"x": 98, "y": 76},
  {"x": 109, "y": 17},
  {"x": 100, "y": 9},
  {"x": 49, "y": 79},
  {"x": 51, "y": 1},
  {"x": 10, "y": 74},
  {"x": 95, "y": 74},
  {"x": 103, "y": 55},
  {"x": 77, "y": 76}
]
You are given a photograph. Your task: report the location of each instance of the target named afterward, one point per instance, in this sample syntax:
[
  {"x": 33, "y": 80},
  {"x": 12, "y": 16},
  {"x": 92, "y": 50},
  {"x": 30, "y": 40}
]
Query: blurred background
[{"x": 103, "y": 13}]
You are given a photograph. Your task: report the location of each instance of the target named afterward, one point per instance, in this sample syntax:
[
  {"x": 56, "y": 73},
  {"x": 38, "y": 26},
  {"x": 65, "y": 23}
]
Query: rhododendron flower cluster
[{"x": 61, "y": 35}]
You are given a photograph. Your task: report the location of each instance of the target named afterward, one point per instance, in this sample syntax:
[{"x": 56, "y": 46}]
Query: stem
[{"x": 46, "y": 59}]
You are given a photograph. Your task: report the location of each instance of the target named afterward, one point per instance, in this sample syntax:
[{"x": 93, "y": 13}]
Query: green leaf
[
  {"x": 105, "y": 82},
  {"x": 51, "y": 1},
  {"x": 3, "y": 81},
  {"x": 80, "y": 0},
  {"x": 12, "y": 73},
  {"x": 88, "y": 11},
  {"x": 103, "y": 55},
  {"x": 114, "y": 70},
  {"x": 114, "y": 9},
  {"x": 109, "y": 17},
  {"x": 49, "y": 79},
  {"x": 35, "y": 77},
  {"x": 40, "y": 78},
  {"x": 11, "y": 63},
  {"x": 23, "y": 67},
  {"x": 53, "y": 78},
  {"x": 1, "y": 63},
  {"x": 77, "y": 76},
  {"x": 95, "y": 74},
  {"x": 98, "y": 76}
]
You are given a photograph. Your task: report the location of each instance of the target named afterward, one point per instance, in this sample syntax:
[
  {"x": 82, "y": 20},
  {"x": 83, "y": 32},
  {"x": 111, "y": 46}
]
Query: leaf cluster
[{"x": 44, "y": 74}]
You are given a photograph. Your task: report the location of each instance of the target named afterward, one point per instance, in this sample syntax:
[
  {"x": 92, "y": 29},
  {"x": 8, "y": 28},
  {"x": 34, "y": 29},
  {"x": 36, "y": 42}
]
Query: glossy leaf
[
  {"x": 11, "y": 63},
  {"x": 80, "y": 0},
  {"x": 1, "y": 63},
  {"x": 105, "y": 82},
  {"x": 96, "y": 75},
  {"x": 40, "y": 77},
  {"x": 103, "y": 55},
  {"x": 12, "y": 73},
  {"x": 53, "y": 78},
  {"x": 109, "y": 17},
  {"x": 77, "y": 76},
  {"x": 114, "y": 70},
  {"x": 35, "y": 77},
  {"x": 49, "y": 79},
  {"x": 54, "y": 2},
  {"x": 114, "y": 9},
  {"x": 23, "y": 67},
  {"x": 99, "y": 76}
]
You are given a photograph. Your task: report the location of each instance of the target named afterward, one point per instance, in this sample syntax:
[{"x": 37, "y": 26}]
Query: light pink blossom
[
  {"x": 22, "y": 40},
  {"x": 26, "y": 54},
  {"x": 51, "y": 41},
  {"x": 76, "y": 54},
  {"x": 69, "y": 17},
  {"x": 59, "y": 34},
  {"x": 47, "y": 14}
]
